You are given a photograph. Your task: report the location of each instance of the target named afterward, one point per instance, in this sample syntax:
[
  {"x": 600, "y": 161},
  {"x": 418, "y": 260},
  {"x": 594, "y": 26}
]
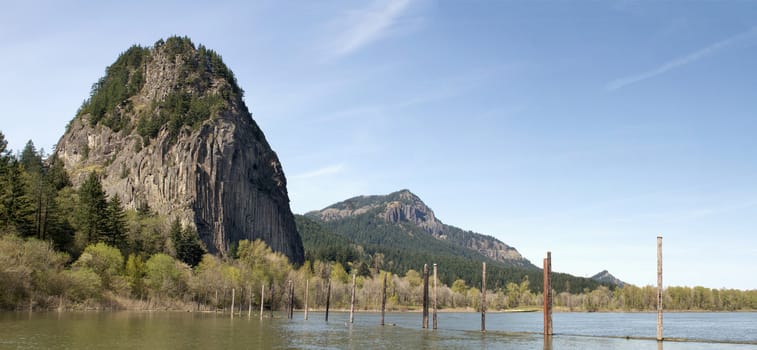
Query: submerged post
[
  {"x": 328, "y": 300},
  {"x": 262, "y": 300},
  {"x": 383, "y": 300},
  {"x": 352, "y": 302},
  {"x": 548, "y": 294},
  {"x": 307, "y": 297},
  {"x": 483, "y": 297},
  {"x": 425, "y": 296},
  {"x": 659, "y": 288},
  {"x": 435, "y": 295}
]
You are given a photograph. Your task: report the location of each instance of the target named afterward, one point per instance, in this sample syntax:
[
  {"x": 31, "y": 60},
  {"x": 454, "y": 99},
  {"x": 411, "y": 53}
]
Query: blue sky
[{"x": 582, "y": 127}]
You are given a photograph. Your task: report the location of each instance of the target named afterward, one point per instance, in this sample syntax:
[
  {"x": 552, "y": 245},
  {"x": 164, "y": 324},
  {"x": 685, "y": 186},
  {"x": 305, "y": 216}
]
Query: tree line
[{"x": 66, "y": 247}]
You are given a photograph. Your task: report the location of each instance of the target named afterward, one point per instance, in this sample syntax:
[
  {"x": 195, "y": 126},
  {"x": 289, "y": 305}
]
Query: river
[{"x": 177, "y": 330}]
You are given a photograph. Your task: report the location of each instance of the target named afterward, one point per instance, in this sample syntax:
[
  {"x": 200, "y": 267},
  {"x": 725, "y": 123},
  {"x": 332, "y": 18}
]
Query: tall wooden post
[
  {"x": 483, "y": 297},
  {"x": 383, "y": 300},
  {"x": 548, "y": 294},
  {"x": 232, "y": 302},
  {"x": 285, "y": 297},
  {"x": 659, "y": 288},
  {"x": 328, "y": 300},
  {"x": 291, "y": 299},
  {"x": 249, "y": 300},
  {"x": 307, "y": 297},
  {"x": 262, "y": 300},
  {"x": 425, "y": 296},
  {"x": 352, "y": 302},
  {"x": 435, "y": 299}
]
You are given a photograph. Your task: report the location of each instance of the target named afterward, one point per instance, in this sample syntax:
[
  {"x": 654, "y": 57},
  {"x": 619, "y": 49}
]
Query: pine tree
[
  {"x": 92, "y": 211},
  {"x": 16, "y": 209},
  {"x": 186, "y": 244},
  {"x": 115, "y": 225}
]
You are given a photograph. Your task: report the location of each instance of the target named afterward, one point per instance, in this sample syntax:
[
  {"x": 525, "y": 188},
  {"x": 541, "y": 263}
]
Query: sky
[{"x": 584, "y": 128}]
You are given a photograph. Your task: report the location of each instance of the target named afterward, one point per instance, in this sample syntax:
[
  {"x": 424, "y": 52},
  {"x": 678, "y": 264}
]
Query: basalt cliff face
[{"x": 167, "y": 127}]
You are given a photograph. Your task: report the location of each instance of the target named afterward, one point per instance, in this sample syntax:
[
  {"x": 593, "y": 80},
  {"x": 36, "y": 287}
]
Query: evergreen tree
[
  {"x": 57, "y": 174},
  {"x": 186, "y": 244},
  {"x": 56, "y": 226},
  {"x": 16, "y": 209},
  {"x": 30, "y": 160},
  {"x": 91, "y": 215},
  {"x": 37, "y": 187},
  {"x": 115, "y": 228}
]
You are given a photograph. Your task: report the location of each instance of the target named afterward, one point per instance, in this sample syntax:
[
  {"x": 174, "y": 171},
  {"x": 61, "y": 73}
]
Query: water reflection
[{"x": 547, "y": 342}]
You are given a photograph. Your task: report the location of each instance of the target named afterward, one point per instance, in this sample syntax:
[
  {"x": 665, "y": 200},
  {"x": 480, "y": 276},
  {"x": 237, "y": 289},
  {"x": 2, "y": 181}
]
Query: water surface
[{"x": 176, "y": 330}]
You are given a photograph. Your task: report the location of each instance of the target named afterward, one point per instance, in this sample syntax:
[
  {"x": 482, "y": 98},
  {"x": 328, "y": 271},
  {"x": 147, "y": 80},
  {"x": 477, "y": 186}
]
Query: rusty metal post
[
  {"x": 435, "y": 301},
  {"x": 328, "y": 300},
  {"x": 659, "y": 288},
  {"x": 352, "y": 302},
  {"x": 307, "y": 297},
  {"x": 383, "y": 299},
  {"x": 548, "y": 294},
  {"x": 483, "y": 297},
  {"x": 425, "y": 296}
]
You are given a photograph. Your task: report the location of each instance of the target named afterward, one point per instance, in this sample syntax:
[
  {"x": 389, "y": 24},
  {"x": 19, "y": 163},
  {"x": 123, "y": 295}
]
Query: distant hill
[
  {"x": 398, "y": 232},
  {"x": 606, "y": 278}
]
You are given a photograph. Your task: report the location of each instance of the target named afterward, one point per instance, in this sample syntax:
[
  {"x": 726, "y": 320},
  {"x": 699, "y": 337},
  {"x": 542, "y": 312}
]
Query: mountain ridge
[
  {"x": 403, "y": 207},
  {"x": 395, "y": 232}
]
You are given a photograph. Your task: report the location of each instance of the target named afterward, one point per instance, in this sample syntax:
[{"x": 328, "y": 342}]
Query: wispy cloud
[
  {"x": 369, "y": 25},
  {"x": 682, "y": 61},
  {"x": 327, "y": 170}
]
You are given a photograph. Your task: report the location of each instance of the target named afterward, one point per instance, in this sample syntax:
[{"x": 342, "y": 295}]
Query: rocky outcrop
[
  {"x": 607, "y": 278},
  {"x": 215, "y": 172},
  {"x": 405, "y": 208}
]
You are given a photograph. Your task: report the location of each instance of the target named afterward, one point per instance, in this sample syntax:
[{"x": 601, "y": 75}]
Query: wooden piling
[
  {"x": 262, "y": 300},
  {"x": 483, "y": 297},
  {"x": 232, "y": 302},
  {"x": 435, "y": 299},
  {"x": 659, "y": 288},
  {"x": 425, "y": 296},
  {"x": 352, "y": 302},
  {"x": 383, "y": 300},
  {"x": 328, "y": 300},
  {"x": 548, "y": 294},
  {"x": 307, "y": 297},
  {"x": 249, "y": 300},
  {"x": 291, "y": 299}
]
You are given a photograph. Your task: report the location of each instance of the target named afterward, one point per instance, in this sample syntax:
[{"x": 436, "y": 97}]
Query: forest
[{"x": 78, "y": 248}]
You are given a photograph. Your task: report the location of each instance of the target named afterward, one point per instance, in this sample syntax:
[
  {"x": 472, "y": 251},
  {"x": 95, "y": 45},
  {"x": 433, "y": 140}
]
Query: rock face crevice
[{"x": 219, "y": 175}]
